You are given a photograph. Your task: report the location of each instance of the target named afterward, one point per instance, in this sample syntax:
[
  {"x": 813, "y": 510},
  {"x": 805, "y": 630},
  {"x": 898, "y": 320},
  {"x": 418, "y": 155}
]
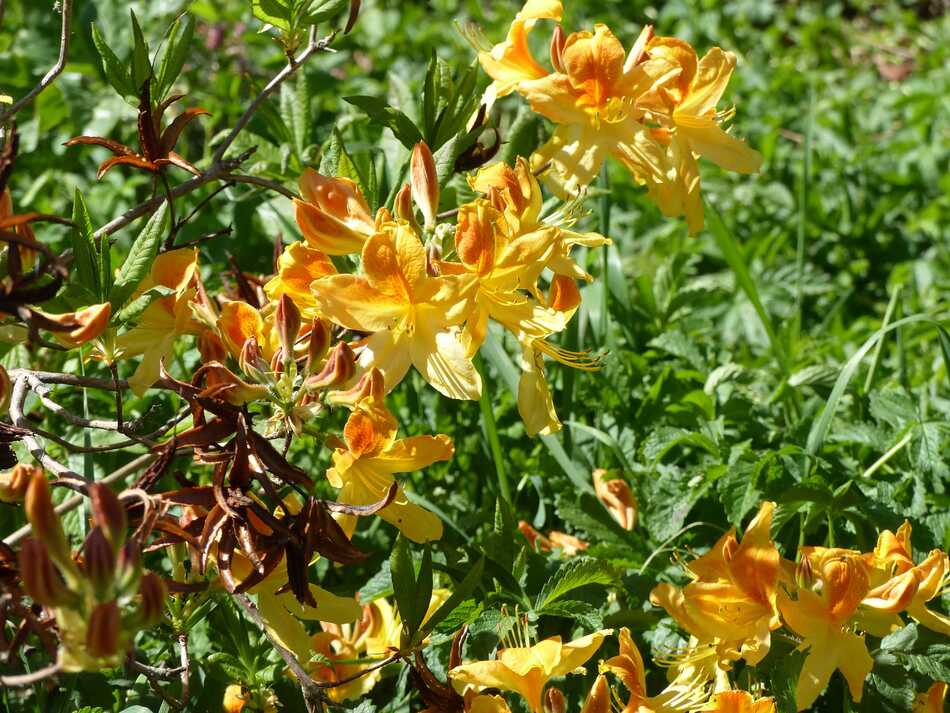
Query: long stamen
[{"x": 584, "y": 361}]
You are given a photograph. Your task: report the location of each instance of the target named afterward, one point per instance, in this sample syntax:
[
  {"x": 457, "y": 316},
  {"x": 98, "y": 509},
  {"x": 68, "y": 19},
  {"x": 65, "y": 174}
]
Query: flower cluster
[{"x": 653, "y": 107}]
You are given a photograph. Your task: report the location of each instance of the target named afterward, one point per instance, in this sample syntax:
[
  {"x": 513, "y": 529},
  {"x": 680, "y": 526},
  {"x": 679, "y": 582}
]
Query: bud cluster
[{"x": 100, "y": 597}]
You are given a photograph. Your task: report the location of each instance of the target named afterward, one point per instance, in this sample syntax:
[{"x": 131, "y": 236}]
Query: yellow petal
[
  {"x": 576, "y": 152},
  {"x": 352, "y": 302},
  {"x": 711, "y": 142},
  {"x": 535, "y": 403},
  {"x": 330, "y": 607},
  {"x": 410, "y": 454},
  {"x": 388, "y": 352},
  {"x": 442, "y": 359},
  {"x": 712, "y": 76}
]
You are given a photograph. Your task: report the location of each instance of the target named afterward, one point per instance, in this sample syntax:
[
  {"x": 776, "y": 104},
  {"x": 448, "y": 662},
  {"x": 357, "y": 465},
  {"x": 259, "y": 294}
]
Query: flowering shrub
[{"x": 269, "y": 516}]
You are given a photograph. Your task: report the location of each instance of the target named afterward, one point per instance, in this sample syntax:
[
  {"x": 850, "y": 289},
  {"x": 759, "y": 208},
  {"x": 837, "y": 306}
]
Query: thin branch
[
  {"x": 157, "y": 671},
  {"x": 28, "y": 679},
  {"x": 36, "y": 449},
  {"x": 293, "y": 65},
  {"x": 264, "y": 183},
  {"x": 67, "y": 11},
  {"x": 52, "y": 377},
  {"x": 74, "y": 502},
  {"x": 312, "y": 694},
  {"x": 185, "y": 664}
]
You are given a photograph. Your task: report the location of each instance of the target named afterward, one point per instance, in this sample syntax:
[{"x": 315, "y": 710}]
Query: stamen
[{"x": 583, "y": 361}]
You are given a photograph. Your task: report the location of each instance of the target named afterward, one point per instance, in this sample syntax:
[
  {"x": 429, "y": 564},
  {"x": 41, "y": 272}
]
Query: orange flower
[
  {"x": 732, "y": 600},
  {"x": 615, "y": 495},
  {"x": 84, "y": 325},
  {"x": 333, "y": 214}
]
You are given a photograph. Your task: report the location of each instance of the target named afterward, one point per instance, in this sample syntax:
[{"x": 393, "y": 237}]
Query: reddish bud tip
[
  {"x": 287, "y": 321},
  {"x": 99, "y": 562},
  {"x": 43, "y": 518},
  {"x": 425, "y": 183},
  {"x": 40, "y": 579},
  {"x": 108, "y": 513},
  {"x": 554, "y": 700},
  {"x": 102, "y": 637},
  {"x": 319, "y": 344},
  {"x": 558, "y": 39},
  {"x": 152, "y": 590},
  {"x": 339, "y": 368}
]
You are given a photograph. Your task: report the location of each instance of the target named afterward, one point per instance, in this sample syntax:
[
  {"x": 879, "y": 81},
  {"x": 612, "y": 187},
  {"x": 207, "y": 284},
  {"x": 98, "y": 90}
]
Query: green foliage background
[{"x": 700, "y": 406}]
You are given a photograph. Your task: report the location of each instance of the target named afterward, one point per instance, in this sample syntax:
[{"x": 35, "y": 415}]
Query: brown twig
[
  {"x": 264, "y": 183},
  {"x": 52, "y": 377},
  {"x": 313, "y": 696},
  {"x": 55, "y": 70},
  {"x": 185, "y": 664}
]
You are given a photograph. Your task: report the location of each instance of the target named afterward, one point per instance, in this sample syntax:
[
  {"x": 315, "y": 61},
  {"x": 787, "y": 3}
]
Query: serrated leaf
[
  {"x": 582, "y": 613},
  {"x": 177, "y": 48},
  {"x": 139, "y": 261},
  {"x": 382, "y": 113},
  {"x": 116, "y": 71},
  {"x": 574, "y": 574},
  {"x": 86, "y": 264}
]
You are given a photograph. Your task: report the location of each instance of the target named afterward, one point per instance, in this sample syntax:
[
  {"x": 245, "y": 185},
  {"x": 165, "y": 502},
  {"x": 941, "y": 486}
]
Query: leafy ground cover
[{"x": 794, "y": 351}]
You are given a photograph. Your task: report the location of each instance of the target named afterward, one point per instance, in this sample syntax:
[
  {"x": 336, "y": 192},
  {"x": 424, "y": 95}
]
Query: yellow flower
[
  {"x": 653, "y": 109},
  {"x": 364, "y": 464},
  {"x": 685, "y": 693},
  {"x": 739, "y": 702},
  {"x": 165, "y": 319},
  {"x": 413, "y": 317},
  {"x": 824, "y": 620},
  {"x": 732, "y": 600},
  {"x": 297, "y": 267},
  {"x": 333, "y": 214},
  {"x": 527, "y": 670}
]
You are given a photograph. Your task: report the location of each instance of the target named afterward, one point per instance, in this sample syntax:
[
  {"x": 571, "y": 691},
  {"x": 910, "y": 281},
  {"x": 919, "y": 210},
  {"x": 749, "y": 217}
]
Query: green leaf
[
  {"x": 574, "y": 574},
  {"x": 324, "y": 10},
  {"x": 141, "y": 65},
  {"x": 337, "y": 161},
  {"x": 132, "y": 311},
  {"x": 86, "y": 265},
  {"x": 382, "y": 113},
  {"x": 139, "y": 261},
  {"x": 404, "y": 579},
  {"x": 278, "y": 13},
  {"x": 177, "y": 48},
  {"x": 462, "y": 592},
  {"x": 423, "y": 594},
  {"x": 582, "y": 613},
  {"x": 115, "y": 70}
]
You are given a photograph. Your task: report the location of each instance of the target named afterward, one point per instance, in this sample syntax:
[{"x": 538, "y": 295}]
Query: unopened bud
[
  {"x": 13, "y": 483},
  {"x": 558, "y": 38},
  {"x": 425, "y": 183},
  {"x": 102, "y": 637},
  {"x": 371, "y": 386},
  {"x": 287, "y": 322},
  {"x": 617, "y": 497},
  {"x": 152, "y": 590},
  {"x": 129, "y": 567},
  {"x": 6, "y": 390},
  {"x": 404, "y": 208},
  {"x": 109, "y": 514},
  {"x": 211, "y": 347},
  {"x": 339, "y": 369},
  {"x": 40, "y": 579},
  {"x": 319, "y": 344},
  {"x": 45, "y": 521},
  {"x": 250, "y": 360},
  {"x": 553, "y": 698},
  {"x": 99, "y": 562}
]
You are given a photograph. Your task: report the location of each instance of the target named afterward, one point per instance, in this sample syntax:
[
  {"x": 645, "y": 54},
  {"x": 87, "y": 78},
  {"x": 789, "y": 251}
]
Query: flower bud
[
  {"x": 6, "y": 390},
  {"x": 46, "y": 525},
  {"x": 558, "y": 39},
  {"x": 425, "y": 183},
  {"x": 433, "y": 258},
  {"x": 234, "y": 698},
  {"x": 319, "y": 344},
  {"x": 102, "y": 636},
  {"x": 339, "y": 369},
  {"x": 370, "y": 387},
  {"x": 553, "y": 698},
  {"x": 82, "y": 326},
  {"x": 251, "y": 362},
  {"x": 152, "y": 590},
  {"x": 109, "y": 514},
  {"x": 40, "y": 579},
  {"x": 404, "y": 208},
  {"x": 804, "y": 574},
  {"x": 13, "y": 483},
  {"x": 568, "y": 544},
  {"x": 617, "y": 497},
  {"x": 287, "y": 322},
  {"x": 129, "y": 568},
  {"x": 211, "y": 347}
]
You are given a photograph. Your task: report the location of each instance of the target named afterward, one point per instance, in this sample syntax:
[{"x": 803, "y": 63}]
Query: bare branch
[
  {"x": 312, "y": 694},
  {"x": 28, "y": 679},
  {"x": 293, "y": 65},
  {"x": 67, "y": 10},
  {"x": 263, "y": 183}
]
